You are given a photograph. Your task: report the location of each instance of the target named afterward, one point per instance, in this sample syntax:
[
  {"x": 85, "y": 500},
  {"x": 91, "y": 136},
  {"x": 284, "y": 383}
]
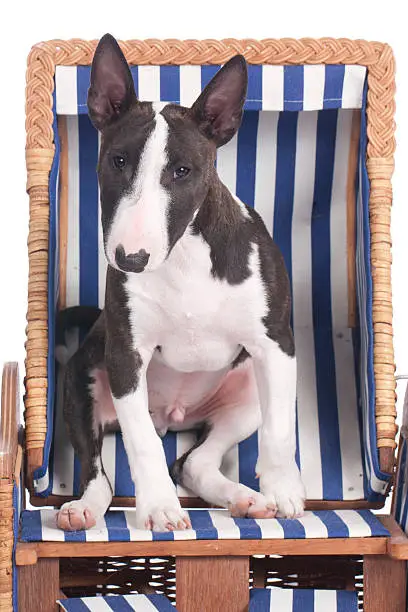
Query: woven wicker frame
[
  {"x": 10, "y": 467},
  {"x": 378, "y": 59}
]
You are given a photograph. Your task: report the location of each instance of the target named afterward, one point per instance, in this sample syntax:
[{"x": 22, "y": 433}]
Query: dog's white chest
[
  {"x": 197, "y": 348},
  {"x": 198, "y": 321}
]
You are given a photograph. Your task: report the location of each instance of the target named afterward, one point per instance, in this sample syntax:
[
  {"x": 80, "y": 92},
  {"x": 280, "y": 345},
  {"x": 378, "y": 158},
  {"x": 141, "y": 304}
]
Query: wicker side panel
[
  {"x": 10, "y": 467},
  {"x": 39, "y": 157},
  {"x": 6, "y": 547},
  {"x": 380, "y": 167}
]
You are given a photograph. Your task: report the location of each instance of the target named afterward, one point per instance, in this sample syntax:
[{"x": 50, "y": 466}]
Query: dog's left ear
[
  {"x": 112, "y": 92},
  {"x": 218, "y": 110}
]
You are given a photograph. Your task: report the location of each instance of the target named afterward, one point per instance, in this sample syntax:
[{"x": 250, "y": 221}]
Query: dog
[{"x": 195, "y": 331}]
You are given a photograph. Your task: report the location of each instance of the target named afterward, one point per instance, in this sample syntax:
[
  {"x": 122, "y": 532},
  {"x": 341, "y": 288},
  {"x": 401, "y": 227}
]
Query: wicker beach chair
[{"x": 314, "y": 155}]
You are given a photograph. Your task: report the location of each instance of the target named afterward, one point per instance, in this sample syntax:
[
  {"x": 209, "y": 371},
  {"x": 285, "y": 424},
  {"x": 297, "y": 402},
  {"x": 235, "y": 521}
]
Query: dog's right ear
[{"x": 111, "y": 92}]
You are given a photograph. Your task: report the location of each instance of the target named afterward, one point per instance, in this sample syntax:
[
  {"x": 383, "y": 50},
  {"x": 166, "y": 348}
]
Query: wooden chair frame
[{"x": 207, "y": 571}]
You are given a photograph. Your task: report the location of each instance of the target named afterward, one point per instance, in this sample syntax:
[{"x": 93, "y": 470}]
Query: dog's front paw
[
  {"x": 161, "y": 513},
  {"x": 244, "y": 502},
  {"x": 75, "y": 515},
  {"x": 284, "y": 491}
]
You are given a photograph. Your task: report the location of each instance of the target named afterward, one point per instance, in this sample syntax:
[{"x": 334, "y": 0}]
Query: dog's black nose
[{"x": 134, "y": 262}]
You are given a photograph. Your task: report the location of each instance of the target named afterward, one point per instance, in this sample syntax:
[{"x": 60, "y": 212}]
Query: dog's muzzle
[{"x": 134, "y": 262}]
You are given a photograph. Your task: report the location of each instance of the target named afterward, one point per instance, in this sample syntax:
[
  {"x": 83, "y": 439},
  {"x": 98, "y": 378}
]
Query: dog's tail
[{"x": 76, "y": 317}]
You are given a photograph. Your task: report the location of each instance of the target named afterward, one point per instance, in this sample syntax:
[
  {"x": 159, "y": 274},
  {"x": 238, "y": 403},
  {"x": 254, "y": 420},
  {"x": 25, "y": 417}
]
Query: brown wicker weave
[
  {"x": 378, "y": 59},
  {"x": 10, "y": 464}
]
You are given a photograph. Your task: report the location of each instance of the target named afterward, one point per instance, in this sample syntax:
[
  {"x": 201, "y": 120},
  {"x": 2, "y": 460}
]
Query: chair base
[
  {"x": 385, "y": 584},
  {"x": 38, "y": 586},
  {"x": 205, "y": 583}
]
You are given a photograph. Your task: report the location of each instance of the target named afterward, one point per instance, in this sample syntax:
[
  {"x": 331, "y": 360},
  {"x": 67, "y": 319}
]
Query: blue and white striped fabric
[
  {"x": 302, "y": 600},
  {"x": 276, "y": 88},
  {"x": 118, "y": 603},
  {"x": 293, "y": 167},
  {"x": 119, "y": 526}
]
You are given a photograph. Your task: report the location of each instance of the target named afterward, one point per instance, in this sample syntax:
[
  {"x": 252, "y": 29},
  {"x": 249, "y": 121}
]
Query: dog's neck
[
  {"x": 226, "y": 225},
  {"x": 220, "y": 214}
]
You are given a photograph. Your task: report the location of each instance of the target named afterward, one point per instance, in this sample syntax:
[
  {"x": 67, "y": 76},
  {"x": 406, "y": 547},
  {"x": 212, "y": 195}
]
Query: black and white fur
[{"x": 195, "y": 329}]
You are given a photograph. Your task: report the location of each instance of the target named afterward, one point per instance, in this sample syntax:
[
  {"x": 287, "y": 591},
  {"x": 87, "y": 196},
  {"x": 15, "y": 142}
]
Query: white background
[{"x": 29, "y": 22}]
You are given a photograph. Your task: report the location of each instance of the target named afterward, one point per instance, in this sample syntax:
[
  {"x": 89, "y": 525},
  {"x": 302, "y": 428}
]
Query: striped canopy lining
[
  {"x": 119, "y": 526},
  {"x": 274, "y": 88},
  {"x": 118, "y": 603},
  {"x": 302, "y": 600},
  {"x": 293, "y": 167}
]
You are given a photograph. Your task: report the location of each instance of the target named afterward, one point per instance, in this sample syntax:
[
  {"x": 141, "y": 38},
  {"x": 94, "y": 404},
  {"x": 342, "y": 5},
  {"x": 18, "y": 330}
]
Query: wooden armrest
[
  {"x": 10, "y": 456},
  {"x": 388, "y": 460},
  {"x": 397, "y": 543}
]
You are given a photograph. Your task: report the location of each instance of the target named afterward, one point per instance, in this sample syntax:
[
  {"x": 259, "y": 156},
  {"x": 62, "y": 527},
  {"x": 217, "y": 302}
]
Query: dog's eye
[
  {"x": 119, "y": 162},
  {"x": 181, "y": 172}
]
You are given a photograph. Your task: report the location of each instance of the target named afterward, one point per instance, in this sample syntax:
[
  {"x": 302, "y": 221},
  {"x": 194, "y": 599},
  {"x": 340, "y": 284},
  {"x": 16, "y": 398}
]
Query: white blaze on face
[{"x": 140, "y": 220}]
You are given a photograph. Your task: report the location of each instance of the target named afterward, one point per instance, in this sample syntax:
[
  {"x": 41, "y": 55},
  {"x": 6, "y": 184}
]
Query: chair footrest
[
  {"x": 119, "y": 526},
  {"x": 118, "y": 603},
  {"x": 307, "y": 600}
]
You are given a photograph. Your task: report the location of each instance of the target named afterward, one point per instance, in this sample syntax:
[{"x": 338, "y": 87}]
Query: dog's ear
[
  {"x": 218, "y": 110},
  {"x": 111, "y": 92}
]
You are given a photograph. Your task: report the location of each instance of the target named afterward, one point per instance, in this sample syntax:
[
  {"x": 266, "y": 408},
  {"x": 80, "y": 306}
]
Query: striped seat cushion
[
  {"x": 118, "y": 603},
  {"x": 302, "y": 600},
  {"x": 294, "y": 160},
  {"x": 119, "y": 526}
]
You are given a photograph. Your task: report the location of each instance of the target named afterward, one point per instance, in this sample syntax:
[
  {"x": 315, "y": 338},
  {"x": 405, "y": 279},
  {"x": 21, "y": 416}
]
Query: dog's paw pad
[
  {"x": 169, "y": 520},
  {"x": 252, "y": 505},
  {"x": 284, "y": 492},
  {"x": 165, "y": 517},
  {"x": 75, "y": 516},
  {"x": 289, "y": 505}
]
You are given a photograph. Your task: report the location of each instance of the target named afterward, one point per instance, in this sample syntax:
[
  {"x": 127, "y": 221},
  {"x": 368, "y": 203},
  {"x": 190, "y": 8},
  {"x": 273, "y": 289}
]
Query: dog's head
[{"x": 156, "y": 161}]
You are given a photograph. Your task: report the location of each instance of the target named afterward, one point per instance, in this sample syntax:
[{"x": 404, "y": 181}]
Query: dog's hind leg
[
  {"x": 85, "y": 415},
  {"x": 234, "y": 415}
]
